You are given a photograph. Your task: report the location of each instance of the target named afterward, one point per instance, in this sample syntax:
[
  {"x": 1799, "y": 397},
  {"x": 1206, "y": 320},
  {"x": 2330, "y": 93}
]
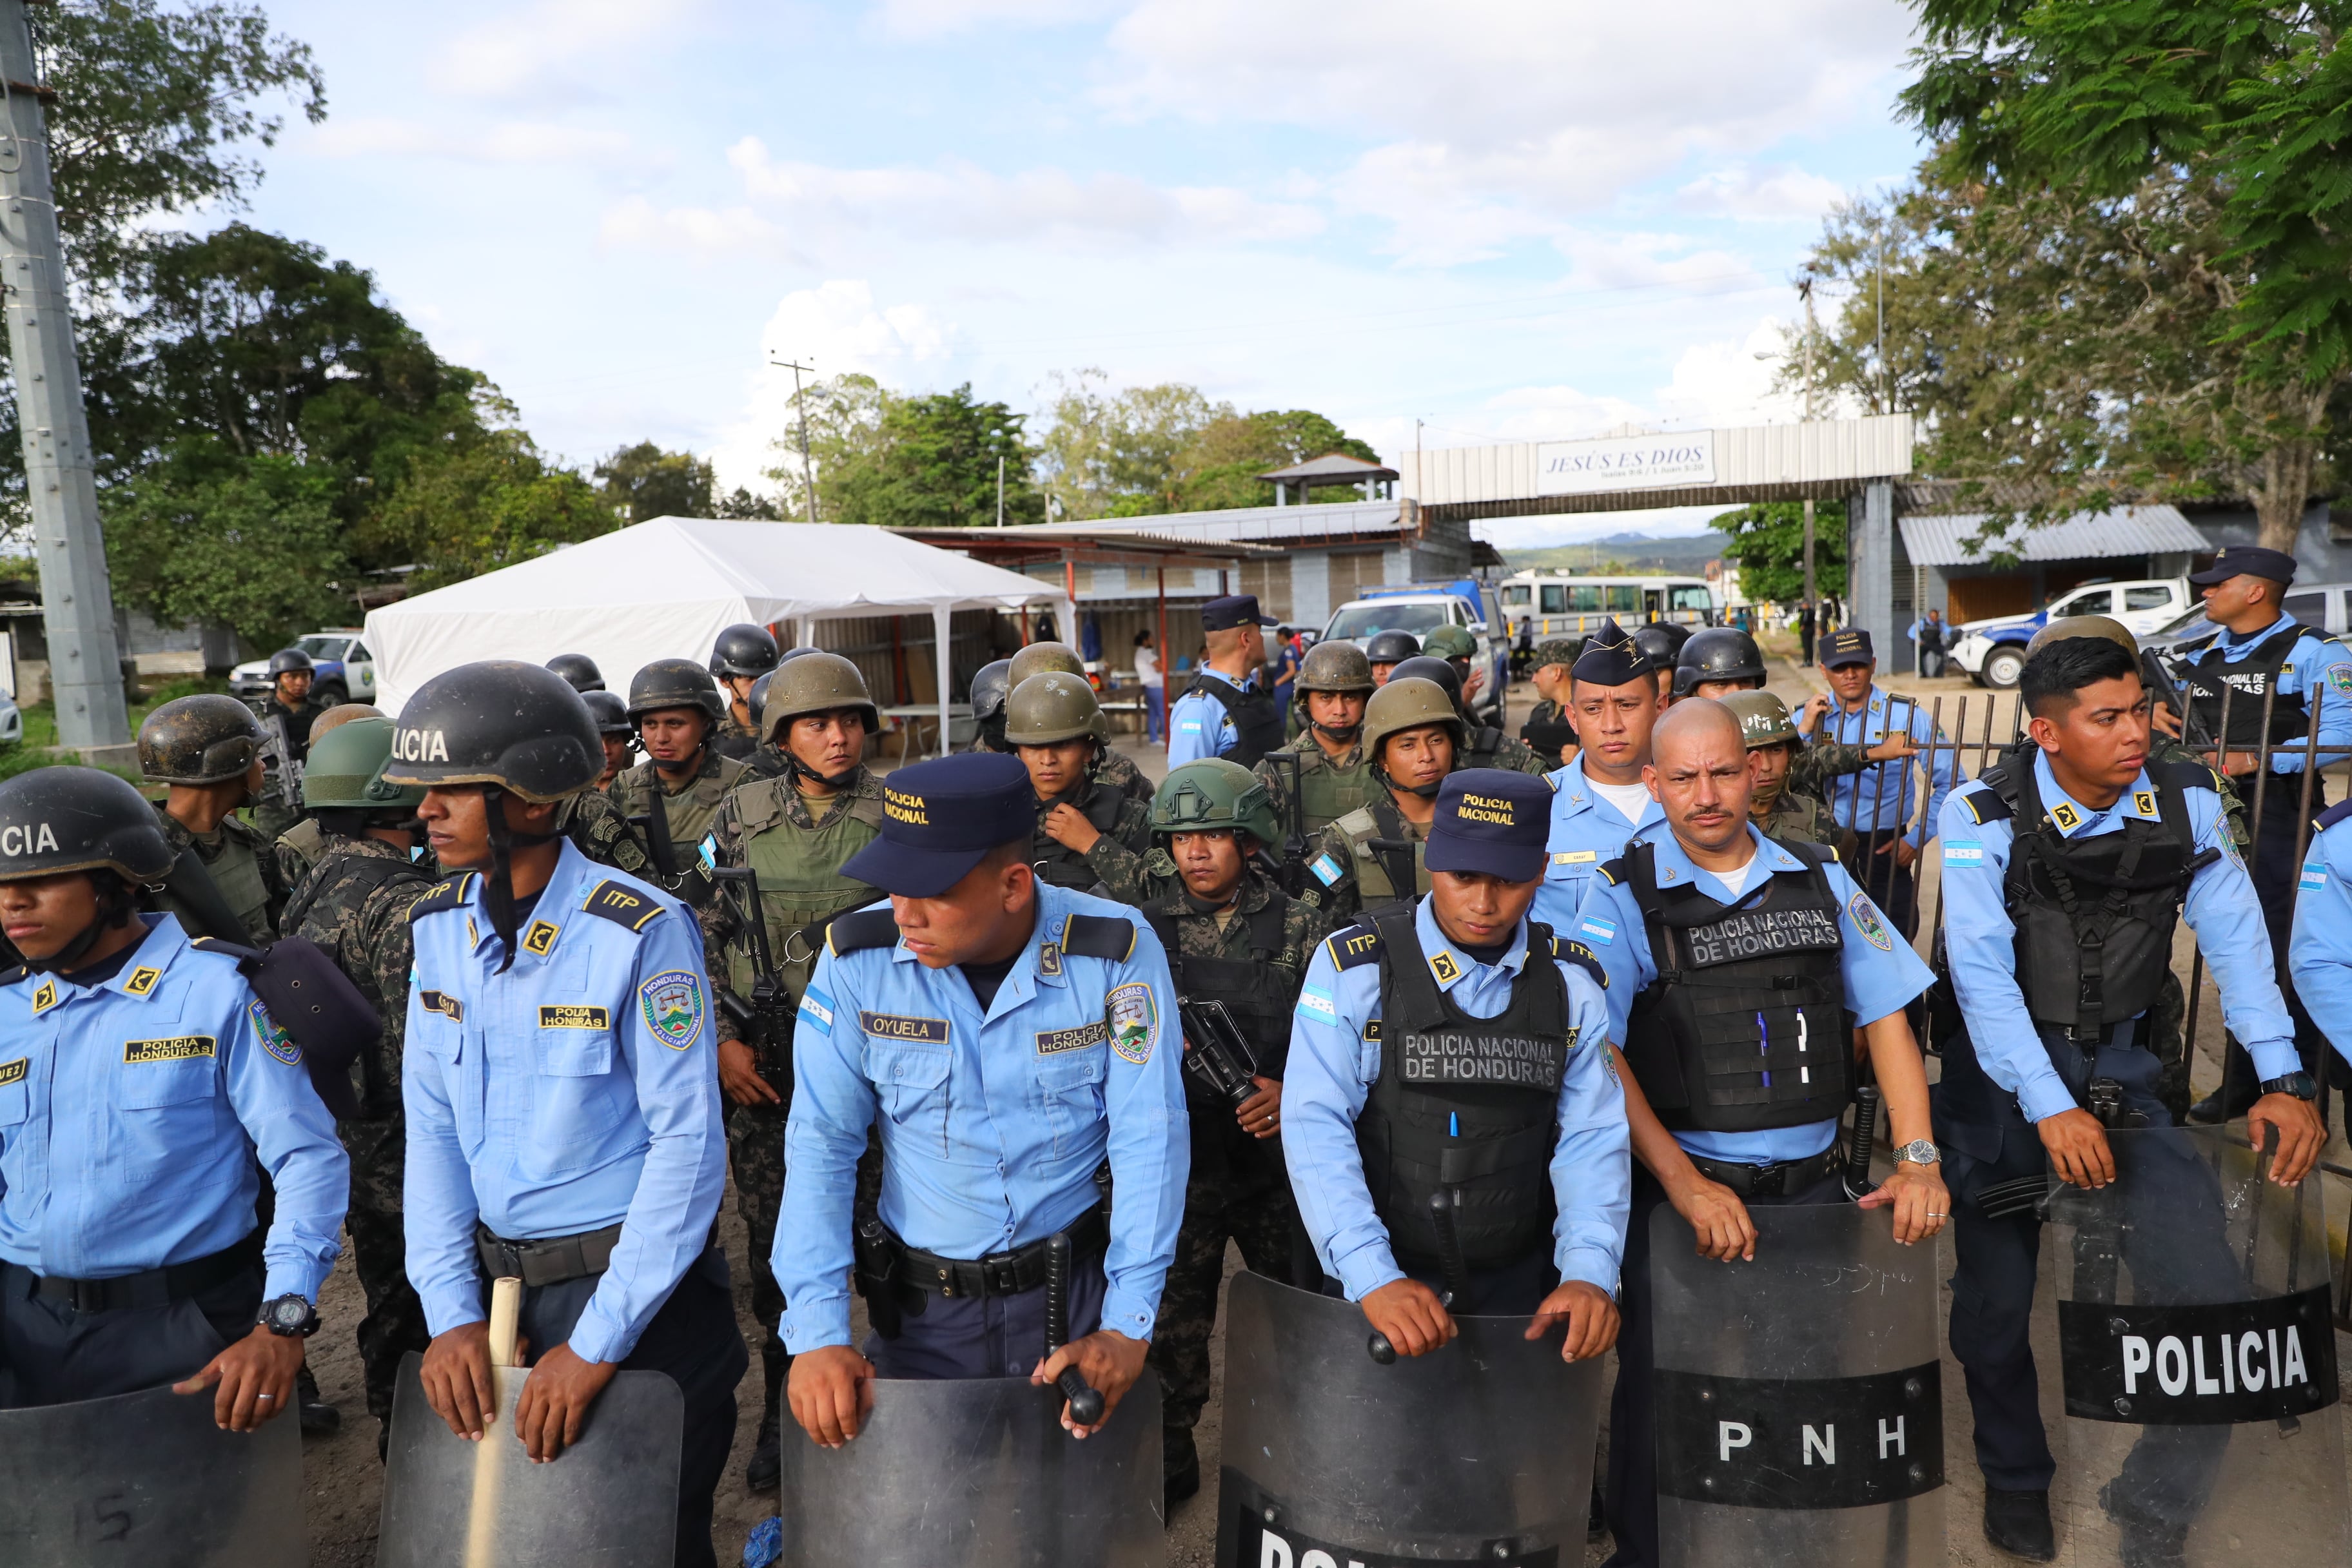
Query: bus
[{"x": 1564, "y": 604}]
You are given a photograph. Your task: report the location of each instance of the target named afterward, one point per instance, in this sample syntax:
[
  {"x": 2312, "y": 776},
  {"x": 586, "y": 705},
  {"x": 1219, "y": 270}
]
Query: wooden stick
[{"x": 490, "y": 1456}]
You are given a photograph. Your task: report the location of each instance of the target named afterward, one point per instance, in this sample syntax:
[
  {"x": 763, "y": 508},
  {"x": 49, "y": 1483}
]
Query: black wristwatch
[
  {"x": 289, "y": 1316},
  {"x": 2299, "y": 1084}
]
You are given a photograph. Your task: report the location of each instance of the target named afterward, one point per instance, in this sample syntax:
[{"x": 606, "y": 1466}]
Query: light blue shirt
[
  {"x": 1198, "y": 725},
  {"x": 1981, "y": 940},
  {"x": 576, "y": 1090},
  {"x": 130, "y": 1113},
  {"x": 1587, "y": 833},
  {"x": 1881, "y": 797},
  {"x": 1333, "y": 1068},
  {"x": 993, "y": 1124},
  {"x": 1880, "y": 970},
  {"x": 2313, "y": 663},
  {"x": 2319, "y": 955}
]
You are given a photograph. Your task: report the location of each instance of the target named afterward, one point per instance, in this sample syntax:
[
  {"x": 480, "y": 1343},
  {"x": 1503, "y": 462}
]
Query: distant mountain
[{"x": 1685, "y": 555}]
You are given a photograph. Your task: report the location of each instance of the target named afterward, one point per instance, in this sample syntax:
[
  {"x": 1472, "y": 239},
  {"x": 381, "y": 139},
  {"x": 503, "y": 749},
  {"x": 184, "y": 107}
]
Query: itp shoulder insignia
[{"x": 617, "y": 903}]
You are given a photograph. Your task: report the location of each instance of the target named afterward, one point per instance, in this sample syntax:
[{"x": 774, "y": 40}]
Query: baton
[
  {"x": 1085, "y": 1400},
  {"x": 1858, "y": 1185},
  {"x": 489, "y": 1455},
  {"x": 1441, "y": 1206}
]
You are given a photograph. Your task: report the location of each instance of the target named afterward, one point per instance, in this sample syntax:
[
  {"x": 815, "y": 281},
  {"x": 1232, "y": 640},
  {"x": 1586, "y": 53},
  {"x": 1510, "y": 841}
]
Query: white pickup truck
[{"x": 1993, "y": 650}]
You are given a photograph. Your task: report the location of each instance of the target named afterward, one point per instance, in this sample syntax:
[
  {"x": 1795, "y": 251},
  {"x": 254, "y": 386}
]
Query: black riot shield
[
  {"x": 608, "y": 1501},
  {"x": 977, "y": 1472},
  {"x": 1799, "y": 1409},
  {"x": 2197, "y": 1358},
  {"x": 1480, "y": 1452},
  {"x": 148, "y": 1478}
]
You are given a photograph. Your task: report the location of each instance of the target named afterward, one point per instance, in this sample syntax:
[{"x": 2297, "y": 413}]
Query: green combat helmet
[
  {"x": 1214, "y": 792},
  {"x": 346, "y": 772},
  {"x": 1332, "y": 666},
  {"x": 1408, "y": 704},
  {"x": 1763, "y": 718},
  {"x": 1046, "y": 709},
  {"x": 1040, "y": 657},
  {"x": 199, "y": 740},
  {"x": 675, "y": 683},
  {"x": 814, "y": 683},
  {"x": 1450, "y": 642}
]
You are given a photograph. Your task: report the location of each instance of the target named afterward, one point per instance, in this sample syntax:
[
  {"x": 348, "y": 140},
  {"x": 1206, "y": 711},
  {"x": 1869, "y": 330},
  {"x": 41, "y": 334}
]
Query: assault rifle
[
  {"x": 769, "y": 1011},
  {"x": 1289, "y": 870},
  {"x": 2195, "y": 733},
  {"x": 1217, "y": 1056},
  {"x": 279, "y": 758}
]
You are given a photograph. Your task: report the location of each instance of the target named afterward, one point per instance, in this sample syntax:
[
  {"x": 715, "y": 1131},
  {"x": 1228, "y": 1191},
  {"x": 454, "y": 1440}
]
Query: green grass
[{"x": 36, "y": 750}]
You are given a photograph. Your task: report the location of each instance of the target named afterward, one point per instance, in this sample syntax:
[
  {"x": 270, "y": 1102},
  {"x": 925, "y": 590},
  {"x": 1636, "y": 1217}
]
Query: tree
[
  {"x": 490, "y": 502},
  {"x": 1220, "y": 468},
  {"x": 1767, "y": 542},
  {"x": 929, "y": 461},
  {"x": 1120, "y": 454},
  {"x": 644, "y": 482},
  {"x": 215, "y": 537},
  {"x": 844, "y": 415}
]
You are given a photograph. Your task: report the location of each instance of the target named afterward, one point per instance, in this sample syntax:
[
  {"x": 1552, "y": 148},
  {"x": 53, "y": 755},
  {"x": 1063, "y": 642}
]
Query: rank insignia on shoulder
[
  {"x": 143, "y": 980},
  {"x": 1098, "y": 936},
  {"x": 540, "y": 938},
  {"x": 2144, "y": 802},
  {"x": 1049, "y": 958},
  {"x": 447, "y": 895},
  {"x": 618, "y": 904},
  {"x": 1353, "y": 946}
]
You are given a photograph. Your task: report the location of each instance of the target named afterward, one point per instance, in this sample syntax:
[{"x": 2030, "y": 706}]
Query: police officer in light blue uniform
[
  {"x": 1600, "y": 798},
  {"x": 1768, "y": 949},
  {"x": 1368, "y": 1136},
  {"x": 2321, "y": 953},
  {"x": 139, "y": 1079},
  {"x": 1879, "y": 799},
  {"x": 561, "y": 1087},
  {"x": 1227, "y": 713},
  {"x": 1010, "y": 1039}
]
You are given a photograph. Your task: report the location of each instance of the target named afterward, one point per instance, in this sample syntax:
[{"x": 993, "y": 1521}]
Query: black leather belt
[
  {"x": 148, "y": 1287},
  {"x": 551, "y": 1261},
  {"x": 1786, "y": 1179},
  {"x": 999, "y": 1273}
]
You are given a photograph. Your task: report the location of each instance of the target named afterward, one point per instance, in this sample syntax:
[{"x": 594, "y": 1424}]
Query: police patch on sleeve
[
  {"x": 1867, "y": 921},
  {"x": 273, "y": 1035},
  {"x": 1134, "y": 1019},
  {"x": 2339, "y": 676},
  {"x": 817, "y": 1008},
  {"x": 1963, "y": 851},
  {"x": 2315, "y": 876},
  {"x": 672, "y": 1003}
]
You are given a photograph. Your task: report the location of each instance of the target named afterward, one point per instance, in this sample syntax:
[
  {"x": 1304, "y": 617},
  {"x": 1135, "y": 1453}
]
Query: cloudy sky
[{"x": 1508, "y": 218}]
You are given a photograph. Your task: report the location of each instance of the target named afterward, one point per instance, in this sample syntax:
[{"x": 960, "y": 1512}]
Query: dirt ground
[{"x": 343, "y": 1481}]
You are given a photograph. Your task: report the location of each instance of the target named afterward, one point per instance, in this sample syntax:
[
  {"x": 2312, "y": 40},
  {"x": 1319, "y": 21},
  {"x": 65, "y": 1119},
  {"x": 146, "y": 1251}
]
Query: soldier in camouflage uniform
[
  {"x": 291, "y": 709},
  {"x": 742, "y": 654},
  {"x": 298, "y": 847},
  {"x": 1231, "y": 937},
  {"x": 354, "y": 904},
  {"x": 613, "y": 728},
  {"x": 1110, "y": 768},
  {"x": 207, "y": 748},
  {"x": 1483, "y": 745},
  {"x": 677, "y": 712},
  {"x": 1326, "y": 758},
  {"x": 1372, "y": 856},
  {"x": 1052, "y": 723},
  {"x": 1775, "y": 805},
  {"x": 793, "y": 833},
  {"x": 767, "y": 759},
  {"x": 1549, "y": 732}
]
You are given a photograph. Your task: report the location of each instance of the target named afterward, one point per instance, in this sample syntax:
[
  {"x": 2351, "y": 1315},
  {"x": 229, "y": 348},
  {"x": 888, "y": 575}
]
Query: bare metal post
[
  {"x": 800, "y": 408},
  {"x": 60, "y": 483}
]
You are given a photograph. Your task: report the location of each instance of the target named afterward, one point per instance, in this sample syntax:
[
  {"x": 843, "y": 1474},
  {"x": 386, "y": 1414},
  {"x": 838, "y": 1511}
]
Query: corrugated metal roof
[
  {"x": 1748, "y": 456},
  {"x": 1245, "y": 524},
  {"x": 1940, "y": 540}
]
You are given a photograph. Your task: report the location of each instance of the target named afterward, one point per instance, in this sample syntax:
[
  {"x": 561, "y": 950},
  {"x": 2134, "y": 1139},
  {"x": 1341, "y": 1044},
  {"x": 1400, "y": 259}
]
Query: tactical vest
[
  {"x": 799, "y": 869},
  {"x": 1057, "y": 862},
  {"x": 1258, "y": 993},
  {"x": 234, "y": 863},
  {"x": 1254, "y": 715},
  {"x": 1745, "y": 1026},
  {"x": 1462, "y": 1105},
  {"x": 1326, "y": 791},
  {"x": 371, "y": 872},
  {"x": 307, "y": 841},
  {"x": 2249, "y": 681},
  {"x": 690, "y": 812},
  {"x": 1387, "y": 860}
]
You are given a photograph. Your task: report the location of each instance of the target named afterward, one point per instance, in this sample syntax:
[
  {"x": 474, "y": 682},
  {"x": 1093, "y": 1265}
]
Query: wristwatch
[
  {"x": 289, "y": 1316},
  {"x": 1919, "y": 1152},
  {"x": 2299, "y": 1084}
]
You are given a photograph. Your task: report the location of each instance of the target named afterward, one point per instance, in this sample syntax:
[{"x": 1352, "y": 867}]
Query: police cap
[
  {"x": 1611, "y": 658},
  {"x": 941, "y": 818},
  {"x": 1492, "y": 822},
  {"x": 199, "y": 739},
  {"x": 2246, "y": 561},
  {"x": 54, "y": 820},
  {"x": 1847, "y": 645},
  {"x": 1233, "y": 610}
]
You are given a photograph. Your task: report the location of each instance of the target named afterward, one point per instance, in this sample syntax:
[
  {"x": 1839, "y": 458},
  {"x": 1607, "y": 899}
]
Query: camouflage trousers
[
  {"x": 755, "y": 1149},
  {"x": 1255, "y": 1212},
  {"x": 395, "y": 1324}
]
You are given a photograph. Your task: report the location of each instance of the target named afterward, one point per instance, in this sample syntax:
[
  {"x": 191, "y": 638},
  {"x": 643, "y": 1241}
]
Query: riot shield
[
  {"x": 2198, "y": 1359},
  {"x": 1799, "y": 1404},
  {"x": 609, "y": 1500},
  {"x": 1480, "y": 1452},
  {"x": 147, "y": 1478},
  {"x": 977, "y": 1472}
]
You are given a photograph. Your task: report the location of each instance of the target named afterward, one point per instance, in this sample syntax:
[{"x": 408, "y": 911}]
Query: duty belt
[
  {"x": 999, "y": 1273},
  {"x": 149, "y": 1286},
  {"x": 549, "y": 1261},
  {"x": 1785, "y": 1179}
]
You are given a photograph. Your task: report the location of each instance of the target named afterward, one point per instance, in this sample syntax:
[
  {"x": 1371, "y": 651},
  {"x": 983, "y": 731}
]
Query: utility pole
[
  {"x": 1000, "y": 491},
  {"x": 1805, "y": 293},
  {"x": 61, "y": 484},
  {"x": 808, "y": 474}
]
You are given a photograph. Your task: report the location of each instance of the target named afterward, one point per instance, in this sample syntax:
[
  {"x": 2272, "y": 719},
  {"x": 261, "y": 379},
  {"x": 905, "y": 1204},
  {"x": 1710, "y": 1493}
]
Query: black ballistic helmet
[
  {"x": 791, "y": 654},
  {"x": 1426, "y": 667},
  {"x": 1661, "y": 642},
  {"x": 500, "y": 722},
  {"x": 743, "y": 649},
  {"x": 288, "y": 660},
  {"x": 78, "y": 819},
  {"x": 760, "y": 689},
  {"x": 675, "y": 683},
  {"x": 578, "y": 670},
  {"x": 1391, "y": 648},
  {"x": 991, "y": 686},
  {"x": 612, "y": 714},
  {"x": 1718, "y": 653},
  {"x": 200, "y": 739}
]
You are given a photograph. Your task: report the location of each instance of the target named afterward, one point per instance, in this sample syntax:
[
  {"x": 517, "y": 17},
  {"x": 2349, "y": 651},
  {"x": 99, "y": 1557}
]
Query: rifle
[
  {"x": 653, "y": 822},
  {"x": 1217, "y": 1056},
  {"x": 769, "y": 1011},
  {"x": 1290, "y": 871},
  {"x": 2195, "y": 733},
  {"x": 278, "y": 760}
]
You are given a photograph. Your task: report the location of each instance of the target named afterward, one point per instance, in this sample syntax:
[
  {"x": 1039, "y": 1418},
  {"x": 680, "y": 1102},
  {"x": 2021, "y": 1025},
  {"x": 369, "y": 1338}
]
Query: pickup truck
[
  {"x": 344, "y": 669},
  {"x": 1421, "y": 608},
  {"x": 1992, "y": 651}
]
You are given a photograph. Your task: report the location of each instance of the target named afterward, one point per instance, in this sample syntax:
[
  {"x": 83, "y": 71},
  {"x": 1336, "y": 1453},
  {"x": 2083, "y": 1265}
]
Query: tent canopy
[{"x": 668, "y": 587}]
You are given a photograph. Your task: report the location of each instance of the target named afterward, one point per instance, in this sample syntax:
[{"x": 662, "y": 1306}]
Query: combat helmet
[
  {"x": 1448, "y": 642},
  {"x": 500, "y": 722},
  {"x": 1333, "y": 667},
  {"x": 1718, "y": 653},
  {"x": 1040, "y": 657},
  {"x": 815, "y": 683},
  {"x": 1661, "y": 642},
  {"x": 674, "y": 683},
  {"x": 1391, "y": 647},
  {"x": 2065, "y": 626},
  {"x": 1215, "y": 793},
  {"x": 199, "y": 739},
  {"x": 612, "y": 714},
  {"x": 1409, "y": 703},
  {"x": 1429, "y": 668},
  {"x": 1051, "y": 708},
  {"x": 290, "y": 660},
  {"x": 345, "y": 771},
  {"x": 579, "y": 671},
  {"x": 1763, "y": 719},
  {"x": 743, "y": 649},
  {"x": 54, "y": 820}
]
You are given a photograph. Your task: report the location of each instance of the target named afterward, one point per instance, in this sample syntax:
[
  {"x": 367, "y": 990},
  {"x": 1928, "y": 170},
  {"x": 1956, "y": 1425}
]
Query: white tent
[{"x": 669, "y": 586}]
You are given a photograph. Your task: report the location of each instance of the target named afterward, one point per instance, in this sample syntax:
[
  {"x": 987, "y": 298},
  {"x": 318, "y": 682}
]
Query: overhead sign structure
[{"x": 1625, "y": 463}]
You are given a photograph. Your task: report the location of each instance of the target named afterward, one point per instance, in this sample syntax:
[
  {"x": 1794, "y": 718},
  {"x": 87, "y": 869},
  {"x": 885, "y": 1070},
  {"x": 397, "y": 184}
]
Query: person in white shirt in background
[{"x": 1147, "y": 670}]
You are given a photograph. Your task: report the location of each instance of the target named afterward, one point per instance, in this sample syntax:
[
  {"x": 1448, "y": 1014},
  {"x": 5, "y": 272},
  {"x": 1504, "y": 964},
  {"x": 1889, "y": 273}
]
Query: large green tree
[
  {"x": 1766, "y": 540},
  {"x": 927, "y": 461}
]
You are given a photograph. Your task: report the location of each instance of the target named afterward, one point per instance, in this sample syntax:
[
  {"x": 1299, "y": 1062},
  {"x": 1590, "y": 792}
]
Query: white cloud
[
  {"x": 1740, "y": 192},
  {"x": 509, "y": 141},
  {"x": 739, "y": 231},
  {"x": 564, "y": 44},
  {"x": 1723, "y": 383},
  {"x": 938, "y": 18}
]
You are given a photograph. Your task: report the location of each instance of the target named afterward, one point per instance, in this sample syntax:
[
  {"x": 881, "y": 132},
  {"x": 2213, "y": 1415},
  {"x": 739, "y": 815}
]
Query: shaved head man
[{"x": 1698, "y": 771}]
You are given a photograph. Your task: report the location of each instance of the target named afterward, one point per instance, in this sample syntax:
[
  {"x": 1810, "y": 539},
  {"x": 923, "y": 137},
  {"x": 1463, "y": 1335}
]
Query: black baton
[{"x": 1085, "y": 1400}]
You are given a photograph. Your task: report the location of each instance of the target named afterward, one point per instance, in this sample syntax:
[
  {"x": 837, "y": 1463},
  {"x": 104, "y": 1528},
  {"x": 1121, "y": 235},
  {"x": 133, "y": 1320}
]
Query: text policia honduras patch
[{"x": 178, "y": 1048}]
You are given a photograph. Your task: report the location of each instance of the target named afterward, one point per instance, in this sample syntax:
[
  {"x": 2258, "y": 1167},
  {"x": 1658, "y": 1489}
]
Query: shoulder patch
[
  {"x": 143, "y": 980},
  {"x": 441, "y": 895},
  {"x": 620, "y": 906},
  {"x": 1098, "y": 936},
  {"x": 1567, "y": 950},
  {"x": 861, "y": 930},
  {"x": 1985, "y": 805},
  {"x": 1613, "y": 871},
  {"x": 1351, "y": 947},
  {"x": 11, "y": 977},
  {"x": 2333, "y": 815}
]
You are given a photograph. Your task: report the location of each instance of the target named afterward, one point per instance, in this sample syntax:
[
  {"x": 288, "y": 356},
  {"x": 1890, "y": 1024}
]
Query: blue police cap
[
  {"x": 2246, "y": 561},
  {"x": 1611, "y": 658},
  {"x": 1233, "y": 610},
  {"x": 1491, "y": 820},
  {"x": 1848, "y": 645},
  {"x": 939, "y": 818}
]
